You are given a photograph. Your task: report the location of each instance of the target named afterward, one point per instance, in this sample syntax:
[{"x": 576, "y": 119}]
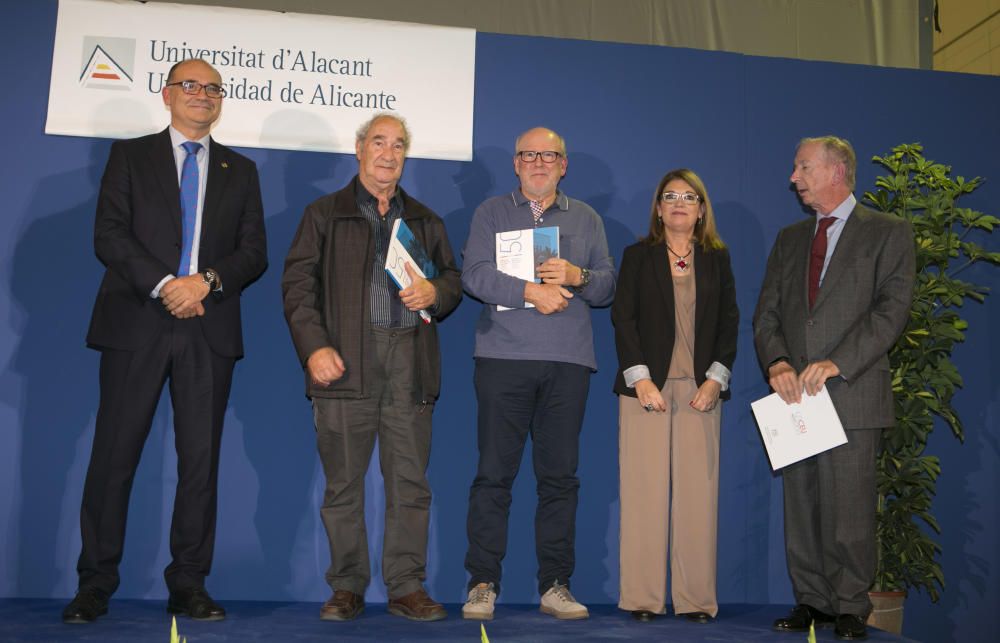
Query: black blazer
[
  {"x": 137, "y": 236},
  {"x": 643, "y": 313}
]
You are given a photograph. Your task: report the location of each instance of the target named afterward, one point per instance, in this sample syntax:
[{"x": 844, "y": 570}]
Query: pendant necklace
[{"x": 680, "y": 262}]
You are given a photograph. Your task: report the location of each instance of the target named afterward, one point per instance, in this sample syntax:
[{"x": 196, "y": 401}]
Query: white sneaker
[
  {"x": 479, "y": 606},
  {"x": 560, "y": 603}
]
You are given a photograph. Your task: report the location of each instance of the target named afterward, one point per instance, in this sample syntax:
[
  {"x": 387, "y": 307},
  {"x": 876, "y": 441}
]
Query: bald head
[{"x": 539, "y": 133}]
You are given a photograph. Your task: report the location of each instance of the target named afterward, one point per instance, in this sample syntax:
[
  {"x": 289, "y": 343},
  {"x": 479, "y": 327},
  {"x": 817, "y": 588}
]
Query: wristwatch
[
  {"x": 211, "y": 278},
  {"x": 584, "y": 279}
]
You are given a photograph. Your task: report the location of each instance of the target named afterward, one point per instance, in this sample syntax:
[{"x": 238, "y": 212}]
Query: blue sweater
[{"x": 525, "y": 333}]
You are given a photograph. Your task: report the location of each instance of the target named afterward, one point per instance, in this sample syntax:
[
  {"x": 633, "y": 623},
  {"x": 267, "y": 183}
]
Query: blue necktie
[{"x": 189, "y": 204}]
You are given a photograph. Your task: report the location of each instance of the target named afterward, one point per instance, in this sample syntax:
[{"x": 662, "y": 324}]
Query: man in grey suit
[{"x": 835, "y": 297}]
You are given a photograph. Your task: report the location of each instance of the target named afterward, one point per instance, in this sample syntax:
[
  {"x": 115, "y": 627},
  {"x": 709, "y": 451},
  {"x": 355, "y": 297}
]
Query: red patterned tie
[{"x": 817, "y": 256}]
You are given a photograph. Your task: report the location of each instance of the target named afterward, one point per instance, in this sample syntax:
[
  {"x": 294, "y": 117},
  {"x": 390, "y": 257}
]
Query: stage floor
[{"x": 141, "y": 620}]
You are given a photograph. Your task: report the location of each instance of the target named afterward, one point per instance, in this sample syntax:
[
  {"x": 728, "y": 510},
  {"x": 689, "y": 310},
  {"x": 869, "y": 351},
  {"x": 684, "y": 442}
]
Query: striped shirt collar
[{"x": 362, "y": 195}]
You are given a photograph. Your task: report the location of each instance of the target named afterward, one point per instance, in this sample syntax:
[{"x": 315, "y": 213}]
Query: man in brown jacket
[{"x": 372, "y": 367}]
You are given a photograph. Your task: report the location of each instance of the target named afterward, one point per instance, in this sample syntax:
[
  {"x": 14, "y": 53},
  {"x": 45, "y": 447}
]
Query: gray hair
[
  {"x": 838, "y": 150},
  {"x": 362, "y": 133}
]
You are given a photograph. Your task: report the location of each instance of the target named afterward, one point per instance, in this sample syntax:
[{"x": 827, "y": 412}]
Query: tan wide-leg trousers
[{"x": 669, "y": 485}]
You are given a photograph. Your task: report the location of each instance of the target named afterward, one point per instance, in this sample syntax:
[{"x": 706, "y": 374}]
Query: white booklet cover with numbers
[
  {"x": 793, "y": 432},
  {"x": 519, "y": 252}
]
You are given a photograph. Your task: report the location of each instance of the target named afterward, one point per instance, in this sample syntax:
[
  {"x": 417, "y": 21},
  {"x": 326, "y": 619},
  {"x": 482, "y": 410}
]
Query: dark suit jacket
[
  {"x": 861, "y": 308},
  {"x": 643, "y": 313},
  {"x": 137, "y": 236}
]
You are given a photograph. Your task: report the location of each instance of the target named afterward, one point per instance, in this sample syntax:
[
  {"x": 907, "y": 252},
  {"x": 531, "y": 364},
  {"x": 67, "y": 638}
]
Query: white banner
[{"x": 293, "y": 81}]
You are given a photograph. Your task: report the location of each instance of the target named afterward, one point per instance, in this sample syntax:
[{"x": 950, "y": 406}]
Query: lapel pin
[{"x": 225, "y": 165}]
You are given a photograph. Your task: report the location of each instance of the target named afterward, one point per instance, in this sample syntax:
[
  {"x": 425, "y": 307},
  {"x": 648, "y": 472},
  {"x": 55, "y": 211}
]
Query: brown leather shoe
[
  {"x": 342, "y": 606},
  {"x": 417, "y": 606}
]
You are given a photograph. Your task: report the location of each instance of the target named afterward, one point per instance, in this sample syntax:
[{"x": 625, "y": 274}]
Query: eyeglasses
[
  {"x": 193, "y": 87},
  {"x": 674, "y": 197},
  {"x": 529, "y": 156}
]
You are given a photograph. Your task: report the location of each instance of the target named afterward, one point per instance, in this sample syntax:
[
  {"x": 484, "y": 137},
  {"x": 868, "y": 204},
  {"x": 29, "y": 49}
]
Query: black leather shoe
[
  {"x": 800, "y": 618},
  {"x": 194, "y": 602},
  {"x": 850, "y": 627},
  {"x": 86, "y": 606},
  {"x": 643, "y": 616},
  {"x": 697, "y": 617}
]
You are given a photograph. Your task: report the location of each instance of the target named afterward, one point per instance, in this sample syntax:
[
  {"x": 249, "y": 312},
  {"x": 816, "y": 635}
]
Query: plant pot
[{"x": 887, "y": 611}]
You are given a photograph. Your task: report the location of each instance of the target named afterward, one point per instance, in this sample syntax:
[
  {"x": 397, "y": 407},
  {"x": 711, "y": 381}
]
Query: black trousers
[
  {"x": 131, "y": 384},
  {"x": 517, "y": 398}
]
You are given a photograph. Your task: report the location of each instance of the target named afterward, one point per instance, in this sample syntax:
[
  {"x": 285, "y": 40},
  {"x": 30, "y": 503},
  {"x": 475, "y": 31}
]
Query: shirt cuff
[
  {"x": 635, "y": 373},
  {"x": 156, "y": 291},
  {"x": 720, "y": 374}
]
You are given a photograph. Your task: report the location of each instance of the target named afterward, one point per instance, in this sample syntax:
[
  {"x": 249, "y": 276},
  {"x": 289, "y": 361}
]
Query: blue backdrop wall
[{"x": 629, "y": 113}]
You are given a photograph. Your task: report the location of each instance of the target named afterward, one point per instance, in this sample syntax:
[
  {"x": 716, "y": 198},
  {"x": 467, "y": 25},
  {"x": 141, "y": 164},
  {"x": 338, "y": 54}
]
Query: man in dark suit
[
  {"x": 180, "y": 228},
  {"x": 835, "y": 297}
]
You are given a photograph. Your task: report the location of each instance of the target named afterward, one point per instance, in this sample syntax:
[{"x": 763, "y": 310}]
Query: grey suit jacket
[{"x": 862, "y": 307}]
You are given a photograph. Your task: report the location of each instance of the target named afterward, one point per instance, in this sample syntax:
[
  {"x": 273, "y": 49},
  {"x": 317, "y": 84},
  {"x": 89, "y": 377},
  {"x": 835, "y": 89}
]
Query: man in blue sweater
[{"x": 534, "y": 357}]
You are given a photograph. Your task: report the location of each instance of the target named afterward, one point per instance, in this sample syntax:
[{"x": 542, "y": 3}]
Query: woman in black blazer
[{"x": 676, "y": 322}]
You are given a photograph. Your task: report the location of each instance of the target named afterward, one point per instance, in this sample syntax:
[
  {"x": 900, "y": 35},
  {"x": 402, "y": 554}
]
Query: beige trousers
[{"x": 669, "y": 488}]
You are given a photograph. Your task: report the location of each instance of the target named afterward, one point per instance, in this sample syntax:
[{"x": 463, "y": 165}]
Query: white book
[
  {"x": 793, "y": 432},
  {"x": 519, "y": 252}
]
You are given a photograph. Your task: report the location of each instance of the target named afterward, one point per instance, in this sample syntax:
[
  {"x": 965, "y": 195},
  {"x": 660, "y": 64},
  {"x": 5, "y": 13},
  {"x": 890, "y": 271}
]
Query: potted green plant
[{"x": 924, "y": 378}]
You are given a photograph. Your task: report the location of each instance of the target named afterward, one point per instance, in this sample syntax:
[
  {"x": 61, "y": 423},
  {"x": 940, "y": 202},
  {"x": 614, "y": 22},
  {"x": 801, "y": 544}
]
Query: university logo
[{"x": 107, "y": 63}]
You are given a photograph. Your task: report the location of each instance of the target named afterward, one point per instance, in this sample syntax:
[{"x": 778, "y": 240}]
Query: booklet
[
  {"x": 404, "y": 248},
  {"x": 793, "y": 432},
  {"x": 519, "y": 252}
]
